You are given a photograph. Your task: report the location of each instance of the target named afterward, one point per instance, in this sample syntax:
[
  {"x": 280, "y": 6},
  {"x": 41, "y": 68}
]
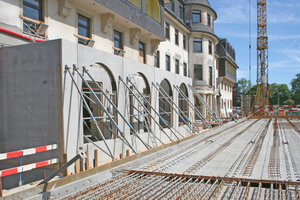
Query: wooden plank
[
  {"x": 96, "y": 158},
  {"x": 65, "y": 160},
  {"x": 1, "y": 192},
  {"x": 87, "y": 163},
  {"x": 77, "y": 170}
]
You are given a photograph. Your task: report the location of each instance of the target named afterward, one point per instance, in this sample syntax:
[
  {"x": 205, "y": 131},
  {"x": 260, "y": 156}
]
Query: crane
[{"x": 262, "y": 95}]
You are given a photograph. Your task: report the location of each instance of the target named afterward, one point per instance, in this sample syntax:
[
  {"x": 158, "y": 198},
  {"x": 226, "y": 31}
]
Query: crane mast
[{"x": 261, "y": 98}]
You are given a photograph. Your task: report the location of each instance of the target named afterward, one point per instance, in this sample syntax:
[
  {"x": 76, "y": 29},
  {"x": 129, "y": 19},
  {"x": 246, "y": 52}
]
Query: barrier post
[{"x": 1, "y": 192}]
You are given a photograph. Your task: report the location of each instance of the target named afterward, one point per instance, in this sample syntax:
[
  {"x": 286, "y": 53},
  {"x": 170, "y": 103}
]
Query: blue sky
[{"x": 283, "y": 31}]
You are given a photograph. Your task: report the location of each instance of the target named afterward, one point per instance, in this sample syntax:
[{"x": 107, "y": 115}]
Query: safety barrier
[{"x": 25, "y": 152}]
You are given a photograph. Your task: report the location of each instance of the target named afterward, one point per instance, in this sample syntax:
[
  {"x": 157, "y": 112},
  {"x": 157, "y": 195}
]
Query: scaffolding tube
[
  {"x": 115, "y": 107},
  {"x": 161, "y": 118},
  {"x": 161, "y": 128},
  {"x": 67, "y": 68},
  {"x": 208, "y": 108},
  {"x": 182, "y": 115},
  {"x": 193, "y": 107}
]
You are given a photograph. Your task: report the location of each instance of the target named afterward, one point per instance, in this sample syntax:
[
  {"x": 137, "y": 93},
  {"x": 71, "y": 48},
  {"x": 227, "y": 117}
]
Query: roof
[{"x": 205, "y": 2}]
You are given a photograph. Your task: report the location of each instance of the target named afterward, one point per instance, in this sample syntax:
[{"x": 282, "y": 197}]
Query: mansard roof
[{"x": 204, "y": 2}]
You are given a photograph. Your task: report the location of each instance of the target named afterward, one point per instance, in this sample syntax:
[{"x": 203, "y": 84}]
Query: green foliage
[
  {"x": 253, "y": 90},
  {"x": 243, "y": 86},
  {"x": 289, "y": 102},
  {"x": 295, "y": 83},
  {"x": 278, "y": 92}
]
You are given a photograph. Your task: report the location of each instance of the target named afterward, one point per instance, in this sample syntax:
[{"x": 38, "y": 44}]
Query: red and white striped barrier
[
  {"x": 291, "y": 108},
  {"x": 280, "y": 106},
  {"x": 26, "y": 152},
  {"x": 24, "y": 168}
]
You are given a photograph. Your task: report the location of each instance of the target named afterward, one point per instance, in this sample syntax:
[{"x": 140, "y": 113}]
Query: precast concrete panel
[{"x": 29, "y": 104}]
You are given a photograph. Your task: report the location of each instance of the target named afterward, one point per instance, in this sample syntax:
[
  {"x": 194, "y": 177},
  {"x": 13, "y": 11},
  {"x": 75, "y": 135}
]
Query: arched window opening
[
  {"x": 164, "y": 104},
  {"x": 103, "y": 122},
  {"x": 183, "y": 105},
  {"x": 153, "y": 9},
  {"x": 139, "y": 118}
]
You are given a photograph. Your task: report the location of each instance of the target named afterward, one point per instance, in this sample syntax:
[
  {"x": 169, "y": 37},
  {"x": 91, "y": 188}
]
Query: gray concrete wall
[
  {"x": 29, "y": 104},
  {"x": 42, "y": 106}
]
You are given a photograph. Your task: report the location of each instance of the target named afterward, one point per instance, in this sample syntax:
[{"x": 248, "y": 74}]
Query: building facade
[{"x": 155, "y": 45}]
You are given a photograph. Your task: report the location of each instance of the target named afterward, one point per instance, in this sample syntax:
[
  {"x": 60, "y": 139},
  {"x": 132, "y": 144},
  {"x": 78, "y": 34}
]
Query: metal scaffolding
[{"x": 208, "y": 108}]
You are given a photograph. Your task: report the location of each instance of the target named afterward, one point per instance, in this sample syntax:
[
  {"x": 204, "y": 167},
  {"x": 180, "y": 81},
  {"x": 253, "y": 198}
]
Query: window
[
  {"x": 32, "y": 9},
  {"x": 180, "y": 11},
  {"x": 197, "y": 44},
  {"x": 226, "y": 64},
  {"x": 89, "y": 128},
  {"x": 153, "y": 9},
  {"x": 208, "y": 19},
  {"x": 156, "y": 59},
  {"x": 176, "y": 36},
  {"x": 83, "y": 29},
  {"x": 177, "y": 66},
  {"x": 184, "y": 41},
  {"x": 209, "y": 47},
  {"x": 167, "y": 30},
  {"x": 118, "y": 44},
  {"x": 184, "y": 69},
  {"x": 198, "y": 74},
  {"x": 210, "y": 76},
  {"x": 168, "y": 63},
  {"x": 183, "y": 105},
  {"x": 173, "y": 5},
  {"x": 142, "y": 52},
  {"x": 136, "y": 3},
  {"x": 196, "y": 15},
  {"x": 165, "y": 110}
]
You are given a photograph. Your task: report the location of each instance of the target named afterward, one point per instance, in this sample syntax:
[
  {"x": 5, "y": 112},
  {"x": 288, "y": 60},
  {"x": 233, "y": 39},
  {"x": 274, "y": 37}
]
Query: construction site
[{"x": 81, "y": 118}]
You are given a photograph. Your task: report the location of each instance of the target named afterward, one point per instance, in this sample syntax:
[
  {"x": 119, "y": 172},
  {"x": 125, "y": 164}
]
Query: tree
[
  {"x": 243, "y": 86},
  {"x": 295, "y": 83},
  {"x": 289, "y": 102},
  {"x": 278, "y": 93},
  {"x": 236, "y": 95}
]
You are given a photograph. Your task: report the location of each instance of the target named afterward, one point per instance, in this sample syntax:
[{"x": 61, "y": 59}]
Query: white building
[{"x": 115, "y": 40}]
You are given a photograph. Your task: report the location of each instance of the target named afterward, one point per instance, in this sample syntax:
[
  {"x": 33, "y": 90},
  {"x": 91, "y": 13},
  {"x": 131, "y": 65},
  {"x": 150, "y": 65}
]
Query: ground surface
[{"x": 250, "y": 159}]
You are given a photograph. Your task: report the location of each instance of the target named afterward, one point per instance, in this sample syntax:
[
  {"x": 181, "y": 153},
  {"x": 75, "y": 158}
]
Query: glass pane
[
  {"x": 82, "y": 32},
  {"x": 31, "y": 13},
  {"x": 82, "y": 21},
  {"x": 197, "y": 47},
  {"x": 33, "y": 2}
]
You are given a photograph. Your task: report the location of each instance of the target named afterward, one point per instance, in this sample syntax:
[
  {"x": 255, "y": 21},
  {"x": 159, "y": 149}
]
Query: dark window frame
[
  {"x": 208, "y": 20},
  {"x": 86, "y": 27},
  {"x": 168, "y": 63},
  {"x": 181, "y": 11},
  {"x": 210, "y": 47},
  {"x": 38, "y": 8},
  {"x": 176, "y": 37},
  {"x": 177, "y": 66},
  {"x": 198, "y": 72},
  {"x": 142, "y": 50},
  {"x": 120, "y": 41},
  {"x": 184, "y": 41},
  {"x": 167, "y": 30},
  {"x": 196, "y": 16},
  {"x": 210, "y": 77},
  {"x": 185, "y": 69},
  {"x": 156, "y": 59},
  {"x": 197, "y": 41}
]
